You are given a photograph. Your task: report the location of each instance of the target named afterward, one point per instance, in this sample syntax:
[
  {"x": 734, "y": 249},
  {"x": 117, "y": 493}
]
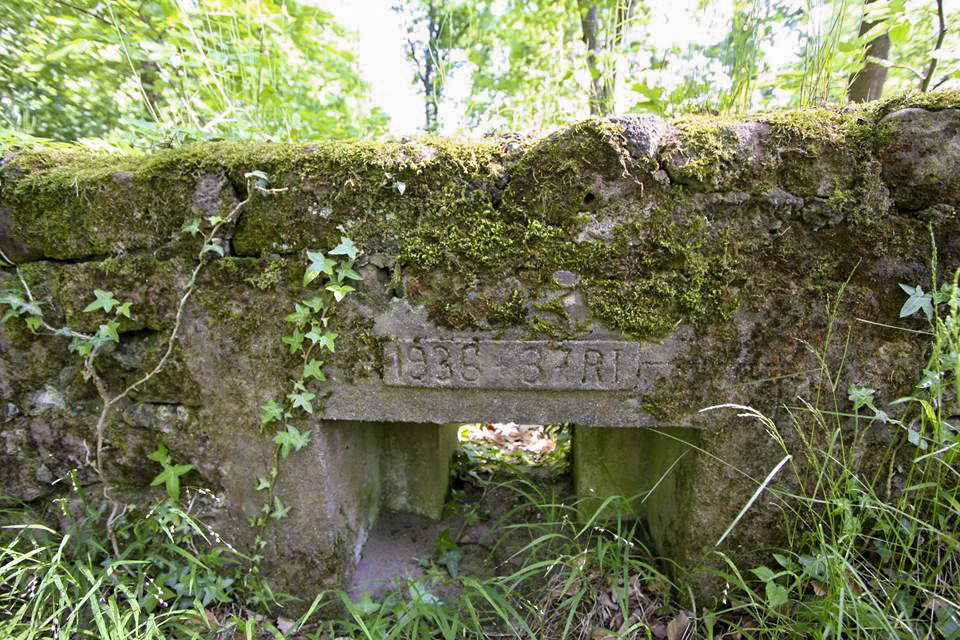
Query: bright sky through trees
[
  {"x": 380, "y": 33},
  {"x": 382, "y": 58},
  {"x": 146, "y": 73}
]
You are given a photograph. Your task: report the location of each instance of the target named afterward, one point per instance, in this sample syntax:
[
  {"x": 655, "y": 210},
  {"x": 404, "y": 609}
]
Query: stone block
[
  {"x": 651, "y": 469},
  {"x": 415, "y": 466}
]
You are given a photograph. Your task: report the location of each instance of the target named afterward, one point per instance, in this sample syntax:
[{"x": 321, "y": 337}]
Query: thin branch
[
  {"x": 942, "y": 81},
  {"x": 86, "y": 11},
  {"x": 941, "y": 36}
]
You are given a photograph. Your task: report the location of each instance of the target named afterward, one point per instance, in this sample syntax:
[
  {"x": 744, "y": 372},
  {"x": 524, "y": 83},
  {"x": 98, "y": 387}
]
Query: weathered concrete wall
[{"x": 617, "y": 273}]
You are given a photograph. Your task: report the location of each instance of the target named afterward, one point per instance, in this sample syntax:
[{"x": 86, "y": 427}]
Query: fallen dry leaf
[
  {"x": 284, "y": 625},
  {"x": 677, "y": 628}
]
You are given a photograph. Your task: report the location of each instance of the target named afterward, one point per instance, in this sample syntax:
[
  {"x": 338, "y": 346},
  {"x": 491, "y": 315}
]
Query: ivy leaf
[
  {"x": 400, "y": 186},
  {"x": 945, "y": 294},
  {"x": 280, "y": 511},
  {"x": 193, "y": 228},
  {"x": 63, "y": 332},
  {"x": 170, "y": 476},
  {"x": 914, "y": 437},
  {"x": 123, "y": 310},
  {"x": 82, "y": 347},
  {"x": 295, "y": 341},
  {"x": 270, "y": 412},
  {"x": 346, "y": 248},
  {"x": 259, "y": 176},
  {"x": 262, "y": 484},
  {"x": 451, "y": 560},
  {"x": 215, "y": 220},
  {"x": 316, "y": 304},
  {"x": 346, "y": 271},
  {"x": 300, "y": 315},
  {"x": 105, "y": 301},
  {"x": 313, "y": 335},
  {"x": 313, "y": 369},
  {"x": 319, "y": 263},
  {"x": 339, "y": 291},
  {"x": 328, "y": 340},
  {"x": 160, "y": 454},
  {"x": 291, "y": 439},
  {"x": 860, "y": 397},
  {"x": 32, "y": 308},
  {"x": 34, "y": 323},
  {"x": 109, "y": 332},
  {"x": 917, "y": 301},
  {"x": 213, "y": 248},
  {"x": 303, "y": 400}
]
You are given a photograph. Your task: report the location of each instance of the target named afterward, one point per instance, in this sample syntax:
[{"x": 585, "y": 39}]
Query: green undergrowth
[
  {"x": 60, "y": 577},
  {"x": 872, "y": 550}
]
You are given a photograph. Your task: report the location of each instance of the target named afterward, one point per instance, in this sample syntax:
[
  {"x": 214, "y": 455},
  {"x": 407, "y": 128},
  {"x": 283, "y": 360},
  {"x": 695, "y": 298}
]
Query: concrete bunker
[{"x": 619, "y": 275}]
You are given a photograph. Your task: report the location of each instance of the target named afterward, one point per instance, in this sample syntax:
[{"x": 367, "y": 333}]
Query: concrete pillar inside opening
[
  {"x": 647, "y": 466},
  {"x": 415, "y": 466}
]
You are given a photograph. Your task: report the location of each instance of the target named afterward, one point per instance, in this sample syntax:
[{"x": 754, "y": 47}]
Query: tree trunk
[
  {"x": 603, "y": 41},
  {"x": 430, "y": 90},
  {"x": 590, "y": 24},
  {"x": 867, "y": 84},
  {"x": 941, "y": 35}
]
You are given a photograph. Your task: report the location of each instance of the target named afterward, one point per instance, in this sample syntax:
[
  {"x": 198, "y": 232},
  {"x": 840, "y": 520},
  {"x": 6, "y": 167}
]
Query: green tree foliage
[
  {"x": 436, "y": 31},
  {"x": 603, "y": 25},
  {"x": 524, "y": 63},
  {"x": 536, "y": 63},
  {"x": 134, "y": 68}
]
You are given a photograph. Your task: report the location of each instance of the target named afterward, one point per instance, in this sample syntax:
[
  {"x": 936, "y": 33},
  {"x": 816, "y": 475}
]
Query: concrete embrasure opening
[
  {"x": 594, "y": 475},
  {"x": 406, "y": 546}
]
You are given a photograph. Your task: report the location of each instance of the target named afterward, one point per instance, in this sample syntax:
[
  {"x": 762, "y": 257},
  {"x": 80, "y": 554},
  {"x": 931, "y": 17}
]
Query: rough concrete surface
[{"x": 616, "y": 273}]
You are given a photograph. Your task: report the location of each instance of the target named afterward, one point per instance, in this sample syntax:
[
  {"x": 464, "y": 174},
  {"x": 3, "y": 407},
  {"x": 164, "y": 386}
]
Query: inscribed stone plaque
[{"x": 589, "y": 365}]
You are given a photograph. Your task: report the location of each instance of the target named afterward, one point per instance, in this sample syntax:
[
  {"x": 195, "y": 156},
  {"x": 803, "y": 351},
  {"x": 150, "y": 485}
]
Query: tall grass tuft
[
  {"x": 873, "y": 552},
  {"x": 169, "y": 578}
]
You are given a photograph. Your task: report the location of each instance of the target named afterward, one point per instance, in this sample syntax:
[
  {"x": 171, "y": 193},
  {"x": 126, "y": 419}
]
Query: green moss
[
  {"x": 479, "y": 228},
  {"x": 553, "y": 305},
  {"x": 271, "y": 275},
  {"x": 359, "y": 350},
  {"x": 666, "y": 406},
  {"x": 804, "y": 126},
  {"x": 487, "y": 310},
  {"x": 554, "y": 181},
  {"x": 511, "y": 311},
  {"x": 841, "y": 200},
  {"x": 810, "y": 130},
  {"x": 547, "y": 328},
  {"x": 666, "y": 273},
  {"x": 240, "y": 310},
  {"x": 702, "y": 151},
  {"x": 931, "y": 101}
]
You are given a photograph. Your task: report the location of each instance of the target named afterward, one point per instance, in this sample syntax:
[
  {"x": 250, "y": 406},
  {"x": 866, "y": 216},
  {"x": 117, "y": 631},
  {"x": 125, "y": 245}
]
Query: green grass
[
  {"x": 872, "y": 552},
  {"x": 67, "y": 581}
]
